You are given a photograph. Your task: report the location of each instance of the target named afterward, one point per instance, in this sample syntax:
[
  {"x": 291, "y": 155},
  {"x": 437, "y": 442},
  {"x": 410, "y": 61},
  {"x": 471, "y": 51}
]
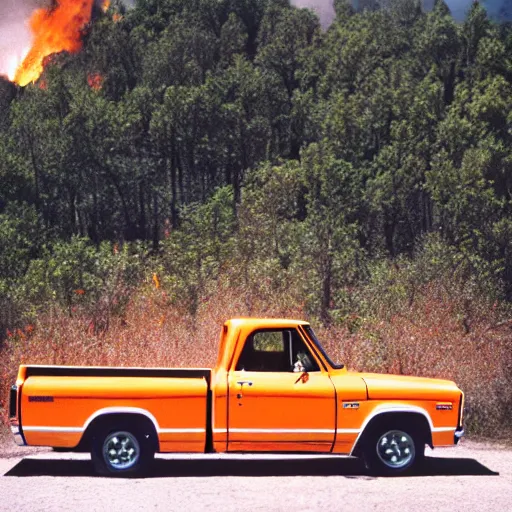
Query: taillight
[
  {"x": 461, "y": 409},
  {"x": 13, "y": 398}
]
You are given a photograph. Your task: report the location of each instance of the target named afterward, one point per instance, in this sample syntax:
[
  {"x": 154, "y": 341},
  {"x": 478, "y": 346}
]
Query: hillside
[{"x": 188, "y": 161}]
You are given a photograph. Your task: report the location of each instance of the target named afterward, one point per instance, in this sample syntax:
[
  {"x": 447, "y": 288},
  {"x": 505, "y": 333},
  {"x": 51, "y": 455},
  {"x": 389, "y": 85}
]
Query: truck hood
[{"x": 402, "y": 387}]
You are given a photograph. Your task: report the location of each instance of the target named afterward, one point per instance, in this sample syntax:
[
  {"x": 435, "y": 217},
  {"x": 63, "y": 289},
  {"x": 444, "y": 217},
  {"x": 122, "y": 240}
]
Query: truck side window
[{"x": 276, "y": 351}]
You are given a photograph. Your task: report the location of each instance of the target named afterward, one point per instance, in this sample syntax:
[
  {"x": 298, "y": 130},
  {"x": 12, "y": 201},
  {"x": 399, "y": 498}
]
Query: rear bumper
[
  {"x": 459, "y": 432},
  {"x": 13, "y": 417},
  {"x": 17, "y": 433}
]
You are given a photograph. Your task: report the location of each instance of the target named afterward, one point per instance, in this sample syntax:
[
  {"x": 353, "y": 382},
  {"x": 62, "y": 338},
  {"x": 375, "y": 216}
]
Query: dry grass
[
  {"x": 441, "y": 335},
  {"x": 435, "y": 336},
  {"x": 152, "y": 332}
]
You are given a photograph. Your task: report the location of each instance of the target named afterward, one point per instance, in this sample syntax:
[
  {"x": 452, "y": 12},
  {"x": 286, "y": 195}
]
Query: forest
[{"x": 200, "y": 159}]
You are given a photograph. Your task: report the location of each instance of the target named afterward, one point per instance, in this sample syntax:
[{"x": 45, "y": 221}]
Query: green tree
[
  {"x": 330, "y": 230},
  {"x": 195, "y": 253}
]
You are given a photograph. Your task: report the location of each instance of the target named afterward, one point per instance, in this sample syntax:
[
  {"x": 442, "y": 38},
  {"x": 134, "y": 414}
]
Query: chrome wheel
[
  {"x": 121, "y": 450},
  {"x": 396, "y": 449}
]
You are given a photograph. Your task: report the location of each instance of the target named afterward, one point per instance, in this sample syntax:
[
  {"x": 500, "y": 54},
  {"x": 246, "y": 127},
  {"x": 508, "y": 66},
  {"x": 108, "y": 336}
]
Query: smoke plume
[{"x": 323, "y": 8}]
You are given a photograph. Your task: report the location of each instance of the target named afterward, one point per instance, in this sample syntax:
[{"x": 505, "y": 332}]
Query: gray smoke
[{"x": 323, "y": 8}]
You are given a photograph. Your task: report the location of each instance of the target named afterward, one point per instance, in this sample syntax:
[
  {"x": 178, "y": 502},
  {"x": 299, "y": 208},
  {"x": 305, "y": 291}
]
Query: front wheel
[
  {"x": 121, "y": 452},
  {"x": 393, "y": 451}
]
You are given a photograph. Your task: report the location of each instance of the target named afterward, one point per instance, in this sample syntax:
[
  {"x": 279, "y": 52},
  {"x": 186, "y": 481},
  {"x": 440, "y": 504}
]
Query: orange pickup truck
[{"x": 273, "y": 389}]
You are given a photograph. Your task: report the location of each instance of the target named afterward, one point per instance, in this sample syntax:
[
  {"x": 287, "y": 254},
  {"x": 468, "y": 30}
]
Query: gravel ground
[{"x": 469, "y": 477}]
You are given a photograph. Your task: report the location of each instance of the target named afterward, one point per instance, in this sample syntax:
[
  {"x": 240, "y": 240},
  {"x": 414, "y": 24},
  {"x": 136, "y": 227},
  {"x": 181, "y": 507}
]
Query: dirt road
[{"x": 470, "y": 477}]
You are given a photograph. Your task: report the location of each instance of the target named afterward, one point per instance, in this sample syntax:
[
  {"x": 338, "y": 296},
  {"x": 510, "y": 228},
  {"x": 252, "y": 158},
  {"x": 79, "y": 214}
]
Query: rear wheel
[
  {"x": 392, "y": 450},
  {"x": 121, "y": 452}
]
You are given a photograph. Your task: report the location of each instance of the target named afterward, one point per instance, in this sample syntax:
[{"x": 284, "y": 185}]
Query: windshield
[{"x": 314, "y": 339}]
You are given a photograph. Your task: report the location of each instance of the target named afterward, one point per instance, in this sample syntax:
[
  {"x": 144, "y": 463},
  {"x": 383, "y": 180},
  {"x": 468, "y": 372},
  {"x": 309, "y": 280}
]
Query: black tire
[
  {"x": 393, "y": 450},
  {"x": 121, "y": 451}
]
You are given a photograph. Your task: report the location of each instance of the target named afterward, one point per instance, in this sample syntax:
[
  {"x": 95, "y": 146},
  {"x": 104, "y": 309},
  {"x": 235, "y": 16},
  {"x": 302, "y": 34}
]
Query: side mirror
[{"x": 304, "y": 377}]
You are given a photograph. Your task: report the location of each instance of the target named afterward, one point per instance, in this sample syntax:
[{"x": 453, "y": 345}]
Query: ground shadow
[
  {"x": 440, "y": 466},
  {"x": 321, "y": 466}
]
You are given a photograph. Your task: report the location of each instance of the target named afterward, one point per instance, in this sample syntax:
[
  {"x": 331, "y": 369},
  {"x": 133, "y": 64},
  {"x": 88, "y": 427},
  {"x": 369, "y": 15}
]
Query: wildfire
[
  {"x": 95, "y": 81},
  {"x": 54, "y": 30},
  {"x": 13, "y": 61},
  {"x": 116, "y": 17}
]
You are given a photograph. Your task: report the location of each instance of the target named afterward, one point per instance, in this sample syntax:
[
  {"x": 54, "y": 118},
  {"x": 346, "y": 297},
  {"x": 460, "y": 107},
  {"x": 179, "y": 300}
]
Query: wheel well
[
  {"x": 124, "y": 420},
  {"x": 413, "y": 420}
]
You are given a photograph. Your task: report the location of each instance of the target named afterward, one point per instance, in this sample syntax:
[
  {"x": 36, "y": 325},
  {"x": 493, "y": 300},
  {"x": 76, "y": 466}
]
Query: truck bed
[{"x": 57, "y": 404}]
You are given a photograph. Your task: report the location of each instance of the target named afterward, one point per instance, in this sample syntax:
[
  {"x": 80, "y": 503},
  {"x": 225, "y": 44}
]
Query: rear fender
[{"x": 116, "y": 417}]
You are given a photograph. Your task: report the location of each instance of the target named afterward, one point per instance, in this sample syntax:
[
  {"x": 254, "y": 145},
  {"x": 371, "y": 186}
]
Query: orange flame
[
  {"x": 54, "y": 30},
  {"x": 13, "y": 62}
]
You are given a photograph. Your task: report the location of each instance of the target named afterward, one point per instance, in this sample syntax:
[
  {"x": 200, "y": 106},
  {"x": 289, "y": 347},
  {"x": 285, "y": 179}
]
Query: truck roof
[{"x": 253, "y": 322}]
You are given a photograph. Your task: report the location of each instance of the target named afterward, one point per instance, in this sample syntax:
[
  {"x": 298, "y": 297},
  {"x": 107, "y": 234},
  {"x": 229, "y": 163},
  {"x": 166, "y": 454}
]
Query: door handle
[{"x": 241, "y": 384}]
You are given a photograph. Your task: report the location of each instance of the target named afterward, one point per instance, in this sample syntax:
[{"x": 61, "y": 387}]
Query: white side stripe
[
  {"x": 68, "y": 430},
  {"x": 444, "y": 429},
  {"x": 286, "y": 431},
  {"x": 122, "y": 410},
  {"x": 281, "y": 431},
  {"x": 181, "y": 431},
  {"x": 73, "y": 430},
  {"x": 290, "y": 431}
]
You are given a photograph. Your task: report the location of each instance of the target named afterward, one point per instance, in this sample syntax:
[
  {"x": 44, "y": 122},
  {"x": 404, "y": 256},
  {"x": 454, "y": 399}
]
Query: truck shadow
[{"x": 321, "y": 466}]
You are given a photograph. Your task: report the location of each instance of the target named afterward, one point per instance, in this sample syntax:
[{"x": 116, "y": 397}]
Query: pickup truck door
[{"x": 279, "y": 398}]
